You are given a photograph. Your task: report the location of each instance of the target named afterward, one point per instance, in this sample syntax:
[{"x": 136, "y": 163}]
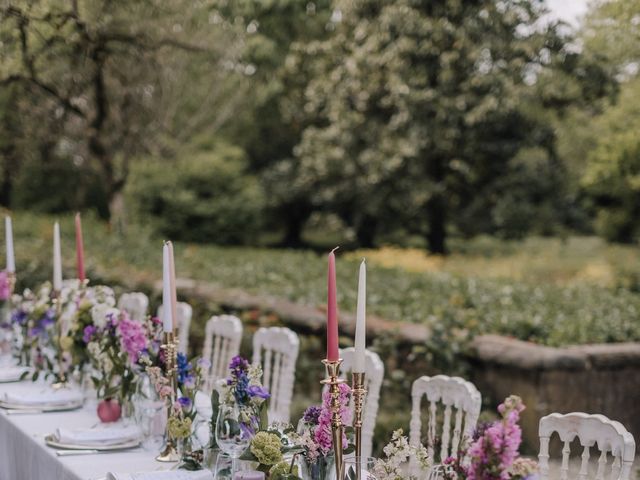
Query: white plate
[
  {"x": 52, "y": 442},
  {"x": 15, "y": 377},
  {"x": 56, "y": 407}
]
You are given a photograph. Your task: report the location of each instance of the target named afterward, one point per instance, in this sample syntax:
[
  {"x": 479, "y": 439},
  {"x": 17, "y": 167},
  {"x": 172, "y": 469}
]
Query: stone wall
[{"x": 591, "y": 378}]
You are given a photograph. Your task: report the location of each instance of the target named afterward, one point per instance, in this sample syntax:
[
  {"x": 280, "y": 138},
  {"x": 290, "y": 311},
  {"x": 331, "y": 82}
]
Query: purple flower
[
  {"x": 312, "y": 415},
  {"x": 190, "y": 382},
  {"x": 204, "y": 363},
  {"x": 185, "y": 402},
  {"x": 238, "y": 364},
  {"x": 184, "y": 368},
  {"x": 19, "y": 317},
  {"x": 258, "y": 391},
  {"x": 88, "y": 333}
]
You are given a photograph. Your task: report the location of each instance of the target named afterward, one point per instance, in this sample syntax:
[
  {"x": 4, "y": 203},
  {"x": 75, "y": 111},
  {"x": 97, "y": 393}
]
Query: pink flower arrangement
[
  {"x": 493, "y": 453},
  {"x": 133, "y": 336},
  {"x": 322, "y": 433}
]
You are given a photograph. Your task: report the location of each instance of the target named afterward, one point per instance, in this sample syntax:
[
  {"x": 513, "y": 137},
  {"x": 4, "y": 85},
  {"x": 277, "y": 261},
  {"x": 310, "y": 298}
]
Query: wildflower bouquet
[
  {"x": 182, "y": 410},
  {"x": 314, "y": 429},
  {"x": 493, "y": 453},
  {"x": 114, "y": 344},
  {"x": 243, "y": 388},
  {"x": 87, "y": 313},
  {"x": 34, "y": 326},
  {"x": 398, "y": 452}
]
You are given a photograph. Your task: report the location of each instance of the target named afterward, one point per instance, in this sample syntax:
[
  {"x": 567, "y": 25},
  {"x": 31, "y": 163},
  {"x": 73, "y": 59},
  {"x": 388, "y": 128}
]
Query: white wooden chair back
[
  {"x": 223, "y": 335},
  {"x": 609, "y": 436},
  {"x": 276, "y": 350},
  {"x": 453, "y": 393},
  {"x": 136, "y": 304},
  {"x": 185, "y": 313},
  {"x": 374, "y": 374}
]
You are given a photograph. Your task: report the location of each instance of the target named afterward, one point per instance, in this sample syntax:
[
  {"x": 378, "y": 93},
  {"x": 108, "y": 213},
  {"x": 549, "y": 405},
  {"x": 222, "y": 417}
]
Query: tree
[
  {"x": 611, "y": 173},
  {"x": 416, "y": 110},
  {"x": 118, "y": 79},
  {"x": 264, "y": 128}
]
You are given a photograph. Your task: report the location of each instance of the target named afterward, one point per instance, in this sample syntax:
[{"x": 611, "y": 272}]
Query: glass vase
[{"x": 322, "y": 469}]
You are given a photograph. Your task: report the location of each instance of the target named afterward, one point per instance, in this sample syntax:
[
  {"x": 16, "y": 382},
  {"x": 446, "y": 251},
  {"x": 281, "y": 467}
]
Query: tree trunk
[
  {"x": 117, "y": 212},
  {"x": 296, "y": 215},
  {"x": 366, "y": 231},
  {"x": 437, "y": 207},
  {"x": 436, "y": 217}
]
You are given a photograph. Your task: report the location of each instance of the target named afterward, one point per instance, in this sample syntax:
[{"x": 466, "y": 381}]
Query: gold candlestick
[
  {"x": 359, "y": 392},
  {"x": 333, "y": 380},
  {"x": 62, "y": 376},
  {"x": 11, "y": 277},
  {"x": 169, "y": 452}
]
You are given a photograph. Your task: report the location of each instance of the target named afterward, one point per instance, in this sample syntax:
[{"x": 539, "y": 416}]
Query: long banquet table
[{"x": 25, "y": 456}]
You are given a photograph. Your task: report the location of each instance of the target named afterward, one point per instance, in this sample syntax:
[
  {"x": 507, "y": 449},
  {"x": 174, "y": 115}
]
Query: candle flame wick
[{"x": 335, "y": 249}]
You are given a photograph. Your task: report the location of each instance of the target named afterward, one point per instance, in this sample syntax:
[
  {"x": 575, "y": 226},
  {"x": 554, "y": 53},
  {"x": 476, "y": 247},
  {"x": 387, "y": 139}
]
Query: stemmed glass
[
  {"x": 233, "y": 433},
  {"x": 150, "y": 414},
  {"x": 364, "y": 464}
]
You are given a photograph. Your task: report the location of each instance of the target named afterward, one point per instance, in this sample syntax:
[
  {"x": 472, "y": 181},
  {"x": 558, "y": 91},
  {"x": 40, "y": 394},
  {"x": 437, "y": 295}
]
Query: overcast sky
[{"x": 568, "y": 10}]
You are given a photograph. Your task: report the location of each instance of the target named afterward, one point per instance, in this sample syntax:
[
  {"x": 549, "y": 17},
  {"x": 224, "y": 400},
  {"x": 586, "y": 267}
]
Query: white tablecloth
[{"x": 25, "y": 456}]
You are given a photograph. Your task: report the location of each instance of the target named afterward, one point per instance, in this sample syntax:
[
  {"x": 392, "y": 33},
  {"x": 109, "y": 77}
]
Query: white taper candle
[
  {"x": 8, "y": 230},
  {"x": 57, "y": 259},
  {"x": 361, "y": 322},
  {"x": 167, "y": 311}
]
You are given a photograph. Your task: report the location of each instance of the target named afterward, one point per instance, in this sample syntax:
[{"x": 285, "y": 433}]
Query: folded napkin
[
  {"x": 44, "y": 397},
  {"x": 202, "y": 402},
  {"x": 111, "y": 435},
  {"x": 173, "y": 475},
  {"x": 11, "y": 373}
]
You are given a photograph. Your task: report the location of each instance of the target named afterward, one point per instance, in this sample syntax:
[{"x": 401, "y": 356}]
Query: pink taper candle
[
  {"x": 332, "y": 311},
  {"x": 79, "y": 249}
]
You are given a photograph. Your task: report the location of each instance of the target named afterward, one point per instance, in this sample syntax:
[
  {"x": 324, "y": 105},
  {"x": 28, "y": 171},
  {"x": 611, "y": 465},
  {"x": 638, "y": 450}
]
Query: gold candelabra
[
  {"x": 337, "y": 428},
  {"x": 169, "y": 452},
  {"x": 359, "y": 392},
  {"x": 62, "y": 375}
]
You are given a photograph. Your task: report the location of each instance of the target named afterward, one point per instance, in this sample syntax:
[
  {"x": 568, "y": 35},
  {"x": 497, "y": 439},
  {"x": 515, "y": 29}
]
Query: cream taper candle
[{"x": 361, "y": 321}]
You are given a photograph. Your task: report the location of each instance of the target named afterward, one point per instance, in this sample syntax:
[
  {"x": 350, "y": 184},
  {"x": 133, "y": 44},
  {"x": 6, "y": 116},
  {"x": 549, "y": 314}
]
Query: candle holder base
[{"x": 169, "y": 454}]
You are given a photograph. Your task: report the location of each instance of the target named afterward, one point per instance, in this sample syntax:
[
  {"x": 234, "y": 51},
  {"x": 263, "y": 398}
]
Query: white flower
[{"x": 100, "y": 312}]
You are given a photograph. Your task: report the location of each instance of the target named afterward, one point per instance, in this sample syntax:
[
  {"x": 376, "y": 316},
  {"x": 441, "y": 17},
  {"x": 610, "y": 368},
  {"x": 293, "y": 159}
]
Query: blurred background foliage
[{"x": 275, "y": 121}]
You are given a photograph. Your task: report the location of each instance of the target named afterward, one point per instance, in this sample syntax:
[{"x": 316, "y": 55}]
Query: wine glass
[
  {"x": 233, "y": 432},
  {"x": 363, "y": 464},
  {"x": 150, "y": 414}
]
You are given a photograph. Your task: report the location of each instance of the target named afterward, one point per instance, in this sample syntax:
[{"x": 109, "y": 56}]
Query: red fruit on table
[{"x": 109, "y": 410}]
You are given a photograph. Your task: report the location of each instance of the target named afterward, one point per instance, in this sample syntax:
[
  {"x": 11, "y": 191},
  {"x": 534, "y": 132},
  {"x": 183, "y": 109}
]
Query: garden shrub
[{"x": 204, "y": 197}]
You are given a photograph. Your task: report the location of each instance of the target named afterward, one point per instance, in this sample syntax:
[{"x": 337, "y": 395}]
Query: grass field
[{"x": 552, "y": 291}]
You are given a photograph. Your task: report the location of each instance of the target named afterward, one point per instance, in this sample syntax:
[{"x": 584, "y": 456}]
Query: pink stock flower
[
  {"x": 132, "y": 337},
  {"x": 493, "y": 453},
  {"x": 322, "y": 432}
]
